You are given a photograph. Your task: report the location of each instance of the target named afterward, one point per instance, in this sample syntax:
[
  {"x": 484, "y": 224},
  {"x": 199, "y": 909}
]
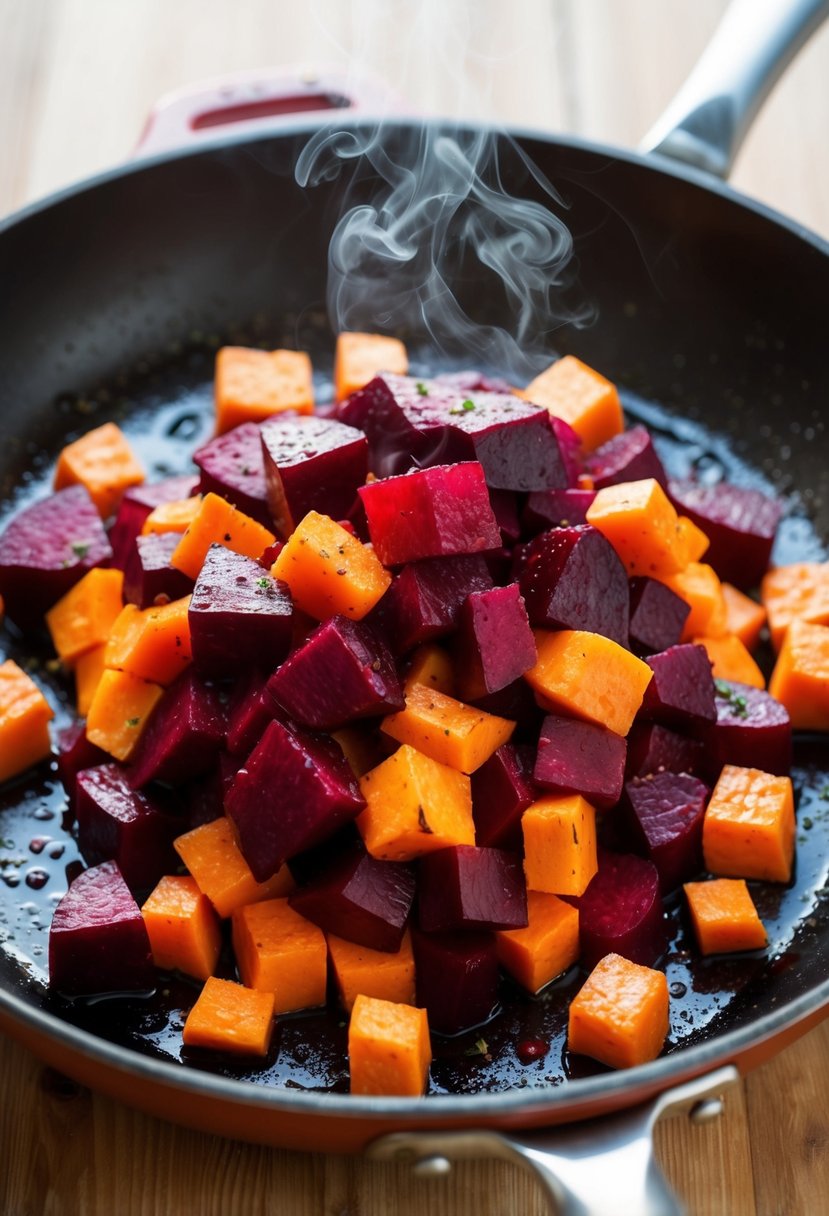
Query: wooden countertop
[{"x": 77, "y": 79}]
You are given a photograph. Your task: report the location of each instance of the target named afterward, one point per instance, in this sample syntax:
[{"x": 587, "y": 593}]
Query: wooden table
[{"x": 77, "y": 78}]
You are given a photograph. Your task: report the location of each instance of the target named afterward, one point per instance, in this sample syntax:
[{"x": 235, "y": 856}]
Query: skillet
[{"x": 710, "y": 318}]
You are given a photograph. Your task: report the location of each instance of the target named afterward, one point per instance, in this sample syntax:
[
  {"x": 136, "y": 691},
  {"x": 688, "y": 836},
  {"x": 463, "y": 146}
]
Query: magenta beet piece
[
  {"x": 76, "y": 753},
  {"x": 434, "y": 512},
  {"x": 502, "y": 789},
  {"x": 569, "y": 445},
  {"x": 505, "y": 507},
  {"x": 574, "y": 579},
  {"x": 294, "y": 790},
  {"x": 629, "y": 456},
  {"x": 581, "y": 757},
  {"x": 621, "y": 912},
  {"x": 681, "y": 692},
  {"x": 515, "y": 702},
  {"x": 311, "y": 464},
  {"x": 494, "y": 644},
  {"x": 117, "y": 823},
  {"x": 556, "y": 509},
  {"x": 98, "y": 941},
  {"x": 469, "y": 887},
  {"x": 361, "y": 899},
  {"x": 148, "y": 576},
  {"x": 232, "y": 466},
  {"x": 46, "y": 548},
  {"x": 183, "y": 735},
  {"x": 312, "y": 863},
  {"x": 752, "y": 730},
  {"x": 249, "y": 711},
  {"x": 665, "y": 813},
  {"x": 740, "y": 524},
  {"x": 239, "y": 615},
  {"x": 138, "y": 502},
  {"x": 456, "y": 978},
  {"x": 424, "y": 601},
  {"x": 657, "y": 616},
  {"x": 652, "y": 747},
  {"x": 206, "y": 796}
]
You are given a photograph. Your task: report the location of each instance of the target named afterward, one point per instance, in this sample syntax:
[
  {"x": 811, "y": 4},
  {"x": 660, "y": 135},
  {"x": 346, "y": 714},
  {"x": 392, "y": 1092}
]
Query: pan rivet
[
  {"x": 705, "y": 1111},
  {"x": 432, "y": 1167}
]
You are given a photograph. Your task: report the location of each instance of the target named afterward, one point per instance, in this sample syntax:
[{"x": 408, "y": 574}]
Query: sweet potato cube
[
  {"x": 119, "y": 710},
  {"x": 559, "y": 845},
  {"x": 431, "y": 666},
  {"x": 641, "y": 525},
  {"x": 251, "y": 385},
  {"x": 749, "y": 825},
  {"x": 724, "y": 916},
  {"x": 701, "y": 590},
  {"x": 218, "y": 522},
  {"x": 279, "y": 951},
  {"x": 588, "y": 402},
  {"x": 447, "y": 730},
  {"x": 212, "y": 856},
  {"x": 796, "y": 592},
  {"x": 83, "y": 618},
  {"x": 800, "y": 680},
  {"x": 743, "y": 615},
  {"x": 175, "y": 516},
  {"x": 361, "y": 971},
  {"x": 183, "y": 928},
  {"x": 24, "y": 721},
  {"x": 388, "y": 1048},
  {"x": 329, "y": 571},
  {"x": 730, "y": 660},
  {"x": 103, "y": 462},
  {"x": 229, "y": 1017},
  {"x": 620, "y": 1015},
  {"x": 151, "y": 643},
  {"x": 546, "y": 947},
  {"x": 359, "y": 358}
]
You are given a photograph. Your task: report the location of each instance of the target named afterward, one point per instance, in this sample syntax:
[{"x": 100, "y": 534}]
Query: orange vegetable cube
[
  {"x": 546, "y": 947},
  {"x": 749, "y": 826},
  {"x": 620, "y": 1015},
  {"x": 639, "y": 520},
  {"x": 228, "y": 1017},
  {"x": 699, "y": 586},
  {"x": 796, "y": 592},
  {"x": 172, "y": 516},
  {"x": 724, "y": 916},
  {"x": 571, "y": 390},
  {"x": 24, "y": 721},
  {"x": 329, "y": 571},
  {"x": 83, "y": 618},
  {"x": 182, "y": 927},
  {"x": 589, "y": 676},
  {"x": 103, "y": 462},
  {"x": 279, "y": 951},
  {"x": 730, "y": 660},
  {"x": 361, "y": 971},
  {"x": 251, "y": 385},
  {"x": 89, "y": 669},
  {"x": 362, "y": 751},
  {"x": 431, "y": 665},
  {"x": 447, "y": 730},
  {"x": 559, "y": 844},
  {"x": 151, "y": 643},
  {"x": 212, "y": 856},
  {"x": 743, "y": 616},
  {"x": 800, "y": 679},
  {"x": 361, "y": 357},
  {"x": 120, "y": 709},
  {"x": 692, "y": 539},
  {"x": 218, "y": 522},
  {"x": 414, "y": 805},
  {"x": 389, "y": 1051}
]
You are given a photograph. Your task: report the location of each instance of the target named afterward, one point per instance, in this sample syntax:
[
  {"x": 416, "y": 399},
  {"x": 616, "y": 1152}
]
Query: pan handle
[
  {"x": 598, "y": 1167},
  {"x": 752, "y": 46}
]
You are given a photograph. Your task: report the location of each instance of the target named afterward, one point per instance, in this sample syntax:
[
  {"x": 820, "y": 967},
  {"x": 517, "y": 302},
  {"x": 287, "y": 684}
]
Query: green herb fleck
[
  {"x": 468, "y": 405},
  {"x": 808, "y": 824},
  {"x": 824, "y": 793},
  {"x": 422, "y": 389},
  {"x": 133, "y": 721},
  {"x": 80, "y": 548},
  {"x": 479, "y": 1048},
  {"x": 736, "y": 700},
  {"x": 264, "y": 583}
]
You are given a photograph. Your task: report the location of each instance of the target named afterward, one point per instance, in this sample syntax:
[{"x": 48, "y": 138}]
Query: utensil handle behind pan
[{"x": 753, "y": 45}]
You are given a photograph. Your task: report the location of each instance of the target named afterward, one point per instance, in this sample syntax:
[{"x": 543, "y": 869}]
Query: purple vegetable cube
[
  {"x": 574, "y": 579},
  {"x": 206, "y": 796},
  {"x": 505, "y": 507},
  {"x": 556, "y": 509},
  {"x": 502, "y": 789},
  {"x": 361, "y": 899},
  {"x": 311, "y": 464},
  {"x": 117, "y": 823},
  {"x": 456, "y": 978},
  {"x": 98, "y": 941},
  {"x": 182, "y": 737},
  {"x": 312, "y": 863},
  {"x": 740, "y": 524},
  {"x": 76, "y": 753},
  {"x": 494, "y": 644},
  {"x": 652, "y": 747},
  {"x": 232, "y": 465},
  {"x": 681, "y": 692},
  {"x": 570, "y": 447},
  {"x": 424, "y": 601},
  {"x": 629, "y": 456},
  {"x": 148, "y": 576},
  {"x": 581, "y": 757},
  {"x": 752, "y": 730},
  {"x": 665, "y": 813},
  {"x": 515, "y": 702},
  {"x": 621, "y": 912},
  {"x": 469, "y": 887},
  {"x": 657, "y": 616},
  {"x": 137, "y": 503},
  {"x": 249, "y": 711}
]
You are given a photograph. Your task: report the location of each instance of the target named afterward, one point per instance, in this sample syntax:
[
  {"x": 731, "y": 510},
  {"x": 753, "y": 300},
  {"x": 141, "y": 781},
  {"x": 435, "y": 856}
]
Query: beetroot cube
[
  {"x": 98, "y": 941},
  {"x": 657, "y": 616},
  {"x": 740, "y": 524},
  {"x": 311, "y": 464},
  {"x": 249, "y": 712},
  {"x": 456, "y": 978},
  {"x": 629, "y": 456},
  {"x": 294, "y": 790},
  {"x": 239, "y": 615},
  {"x": 432, "y": 512},
  {"x": 232, "y": 466},
  {"x": 76, "y": 753},
  {"x": 752, "y": 730},
  {"x": 206, "y": 797},
  {"x": 665, "y": 814},
  {"x": 495, "y": 643},
  {"x": 46, "y": 548},
  {"x": 183, "y": 735},
  {"x": 137, "y": 503},
  {"x": 117, "y": 823},
  {"x": 312, "y": 863},
  {"x": 621, "y": 912},
  {"x": 502, "y": 789},
  {"x": 344, "y": 671},
  {"x": 467, "y": 887},
  {"x": 681, "y": 692},
  {"x": 505, "y": 507},
  {"x": 425, "y": 599},
  {"x": 652, "y": 747},
  {"x": 148, "y": 576},
  {"x": 581, "y": 757},
  {"x": 556, "y": 509},
  {"x": 361, "y": 899},
  {"x": 574, "y": 579},
  {"x": 515, "y": 702}
]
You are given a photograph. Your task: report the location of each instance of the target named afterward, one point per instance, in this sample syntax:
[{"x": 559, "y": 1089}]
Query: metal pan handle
[{"x": 753, "y": 45}]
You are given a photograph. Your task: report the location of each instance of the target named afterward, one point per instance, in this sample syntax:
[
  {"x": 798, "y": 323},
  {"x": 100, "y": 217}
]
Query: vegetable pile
[{"x": 448, "y": 682}]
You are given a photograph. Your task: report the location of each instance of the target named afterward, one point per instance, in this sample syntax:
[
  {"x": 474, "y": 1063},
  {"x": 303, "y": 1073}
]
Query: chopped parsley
[
  {"x": 735, "y": 699},
  {"x": 468, "y": 405},
  {"x": 264, "y": 583},
  {"x": 479, "y": 1048},
  {"x": 133, "y": 721},
  {"x": 422, "y": 389},
  {"x": 80, "y": 548}
]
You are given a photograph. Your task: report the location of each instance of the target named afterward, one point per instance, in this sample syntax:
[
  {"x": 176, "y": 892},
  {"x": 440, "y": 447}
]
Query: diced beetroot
[
  {"x": 148, "y": 576},
  {"x": 294, "y": 790},
  {"x": 98, "y": 941},
  {"x": 652, "y": 747},
  {"x": 574, "y": 579},
  {"x": 46, "y": 548},
  {"x": 361, "y": 899},
  {"x": 581, "y": 757},
  {"x": 657, "y": 616},
  {"x": 137, "y": 503},
  {"x": 311, "y": 864},
  {"x": 424, "y": 423},
  {"x": 665, "y": 813},
  {"x": 502, "y": 789},
  {"x": 740, "y": 524},
  {"x": 621, "y": 912},
  {"x": 425, "y": 599},
  {"x": 515, "y": 702},
  {"x": 433, "y": 512},
  {"x": 569, "y": 445},
  {"x": 629, "y": 456},
  {"x": 681, "y": 692},
  {"x": 239, "y": 615},
  {"x": 271, "y": 554},
  {"x": 249, "y": 712},
  {"x": 456, "y": 978},
  {"x": 499, "y": 565},
  {"x": 469, "y": 887},
  {"x": 76, "y": 753},
  {"x": 344, "y": 671},
  {"x": 232, "y": 466},
  {"x": 183, "y": 735},
  {"x": 505, "y": 508},
  {"x": 494, "y": 644},
  {"x": 206, "y": 797},
  {"x": 117, "y": 823},
  {"x": 752, "y": 730},
  {"x": 311, "y": 464},
  {"x": 556, "y": 509}
]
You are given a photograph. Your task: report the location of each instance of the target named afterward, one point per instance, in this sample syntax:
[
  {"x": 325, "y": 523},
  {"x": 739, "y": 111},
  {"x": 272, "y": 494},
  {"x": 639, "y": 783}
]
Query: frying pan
[{"x": 711, "y": 318}]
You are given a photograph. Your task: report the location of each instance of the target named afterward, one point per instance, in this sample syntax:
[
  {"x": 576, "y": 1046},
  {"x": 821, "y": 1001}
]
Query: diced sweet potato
[
  {"x": 116, "y": 823},
  {"x": 175, "y": 517},
  {"x": 724, "y": 916},
  {"x": 548, "y": 945},
  {"x": 456, "y": 977},
  {"x": 232, "y": 465},
  {"x": 730, "y": 660},
  {"x": 103, "y": 462},
  {"x": 212, "y": 856},
  {"x": 494, "y": 644},
  {"x": 361, "y": 971},
  {"x": 743, "y": 616},
  {"x": 277, "y": 950},
  {"x": 620, "y": 1015},
  {"x": 574, "y": 580},
  {"x": 388, "y": 1048},
  {"x": 796, "y": 592},
  {"x": 182, "y": 926},
  {"x": 82, "y": 618},
  {"x": 447, "y": 730},
  {"x": 465, "y": 887},
  {"x": 559, "y": 844},
  {"x": 571, "y": 390},
  {"x": 580, "y": 757},
  {"x": 328, "y": 570},
  {"x": 360, "y": 357},
  {"x": 362, "y": 899},
  {"x": 641, "y": 524},
  {"x": 502, "y": 789},
  {"x": 251, "y": 385},
  {"x": 431, "y": 666},
  {"x": 311, "y": 464},
  {"x": 621, "y": 911},
  {"x": 701, "y": 590},
  {"x": 217, "y": 522},
  {"x": 184, "y": 732},
  {"x": 230, "y": 1018},
  {"x": 739, "y": 522},
  {"x": 153, "y": 643},
  {"x": 119, "y": 711},
  {"x": 749, "y": 825},
  {"x": 665, "y": 814},
  {"x": 89, "y": 670},
  {"x": 25, "y": 715},
  {"x": 800, "y": 680}
]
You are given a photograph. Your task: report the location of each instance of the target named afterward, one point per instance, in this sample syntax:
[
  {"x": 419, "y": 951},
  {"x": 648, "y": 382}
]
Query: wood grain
[{"x": 77, "y": 78}]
